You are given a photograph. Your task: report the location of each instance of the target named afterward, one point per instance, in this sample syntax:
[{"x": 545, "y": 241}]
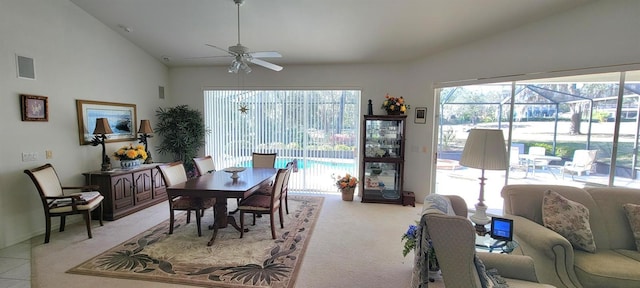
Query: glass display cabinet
[{"x": 383, "y": 163}]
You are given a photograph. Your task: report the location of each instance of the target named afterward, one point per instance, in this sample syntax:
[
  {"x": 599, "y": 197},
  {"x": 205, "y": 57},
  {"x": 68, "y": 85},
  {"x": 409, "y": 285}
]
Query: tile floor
[{"x": 15, "y": 266}]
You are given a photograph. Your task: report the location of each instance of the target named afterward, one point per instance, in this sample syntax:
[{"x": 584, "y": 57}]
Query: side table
[{"x": 486, "y": 243}]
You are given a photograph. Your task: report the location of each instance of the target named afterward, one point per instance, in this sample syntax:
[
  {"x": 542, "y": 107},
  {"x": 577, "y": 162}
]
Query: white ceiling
[{"x": 314, "y": 31}]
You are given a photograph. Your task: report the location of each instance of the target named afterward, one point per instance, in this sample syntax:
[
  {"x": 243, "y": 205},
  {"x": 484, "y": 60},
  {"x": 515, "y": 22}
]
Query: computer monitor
[{"x": 501, "y": 229}]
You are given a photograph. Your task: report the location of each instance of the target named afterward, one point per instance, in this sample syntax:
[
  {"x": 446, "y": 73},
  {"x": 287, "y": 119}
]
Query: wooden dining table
[{"x": 221, "y": 186}]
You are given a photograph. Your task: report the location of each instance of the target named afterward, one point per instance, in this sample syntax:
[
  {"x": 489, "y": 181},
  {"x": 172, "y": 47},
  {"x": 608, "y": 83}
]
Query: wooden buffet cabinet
[{"x": 128, "y": 191}]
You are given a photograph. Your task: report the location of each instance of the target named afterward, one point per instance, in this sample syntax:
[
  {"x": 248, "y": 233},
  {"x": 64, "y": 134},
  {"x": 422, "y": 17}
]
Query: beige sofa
[{"x": 616, "y": 262}]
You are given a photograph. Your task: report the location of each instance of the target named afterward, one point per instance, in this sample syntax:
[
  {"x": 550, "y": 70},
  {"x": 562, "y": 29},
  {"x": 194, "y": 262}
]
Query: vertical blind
[{"x": 317, "y": 129}]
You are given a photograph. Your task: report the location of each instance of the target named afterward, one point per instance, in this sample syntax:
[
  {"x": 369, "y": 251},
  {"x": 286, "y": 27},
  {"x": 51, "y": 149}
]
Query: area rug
[{"x": 256, "y": 260}]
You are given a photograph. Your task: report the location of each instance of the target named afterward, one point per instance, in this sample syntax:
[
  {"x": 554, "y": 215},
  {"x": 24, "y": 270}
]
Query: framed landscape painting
[{"x": 121, "y": 117}]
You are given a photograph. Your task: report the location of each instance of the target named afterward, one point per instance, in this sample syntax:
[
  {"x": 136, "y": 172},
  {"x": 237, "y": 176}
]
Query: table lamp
[
  {"x": 485, "y": 150},
  {"x": 145, "y": 130},
  {"x": 102, "y": 128}
]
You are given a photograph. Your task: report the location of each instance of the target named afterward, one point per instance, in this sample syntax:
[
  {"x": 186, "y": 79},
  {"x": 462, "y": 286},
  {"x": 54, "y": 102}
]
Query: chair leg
[
  {"x": 241, "y": 224},
  {"x": 280, "y": 212},
  {"x": 47, "y": 234},
  {"x": 273, "y": 228},
  {"x": 101, "y": 213},
  {"x": 286, "y": 202},
  {"x": 188, "y": 216},
  {"x": 87, "y": 221},
  {"x": 254, "y": 219},
  {"x": 198, "y": 222},
  {"x": 63, "y": 220},
  {"x": 170, "y": 221}
]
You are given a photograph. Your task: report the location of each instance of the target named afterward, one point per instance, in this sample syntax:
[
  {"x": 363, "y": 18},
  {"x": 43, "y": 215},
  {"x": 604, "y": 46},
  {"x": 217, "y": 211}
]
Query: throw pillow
[
  {"x": 569, "y": 219},
  {"x": 488, "y": 278},
  {"x": 633, "y": 214},
  {"x": 435, "y": 203}
]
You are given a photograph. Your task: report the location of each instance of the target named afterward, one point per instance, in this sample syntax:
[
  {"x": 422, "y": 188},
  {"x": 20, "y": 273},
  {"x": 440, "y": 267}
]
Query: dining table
[{"x": 221, "y": 186}]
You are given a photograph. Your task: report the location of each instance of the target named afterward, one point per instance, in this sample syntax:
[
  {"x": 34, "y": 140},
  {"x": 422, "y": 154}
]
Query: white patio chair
[{"x": 583, "y": 161}]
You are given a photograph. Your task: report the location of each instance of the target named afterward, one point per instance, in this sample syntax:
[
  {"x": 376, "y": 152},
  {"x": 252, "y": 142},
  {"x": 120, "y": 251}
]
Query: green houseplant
[{"x": 183, "y": 132}]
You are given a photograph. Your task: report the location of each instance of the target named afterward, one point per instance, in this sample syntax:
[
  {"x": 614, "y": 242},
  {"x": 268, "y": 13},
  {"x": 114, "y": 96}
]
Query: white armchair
[{"x": 583, "y": 161}]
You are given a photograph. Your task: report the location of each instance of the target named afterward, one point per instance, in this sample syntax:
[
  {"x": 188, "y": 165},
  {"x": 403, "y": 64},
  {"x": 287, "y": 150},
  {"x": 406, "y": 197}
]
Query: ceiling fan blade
[
  {"x": 265, "y": 64},
  {"x": 265, "y": 54},
  {"x": 207, "y": 57},
  {"x": 221, "y": 49}
]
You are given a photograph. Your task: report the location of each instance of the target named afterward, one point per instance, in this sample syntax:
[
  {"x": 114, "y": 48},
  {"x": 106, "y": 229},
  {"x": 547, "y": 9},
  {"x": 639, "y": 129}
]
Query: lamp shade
[
  {"x": 145, "y": 127},
  {"x": 485, "y": 149},
  {"x": 102, "y": 127}
]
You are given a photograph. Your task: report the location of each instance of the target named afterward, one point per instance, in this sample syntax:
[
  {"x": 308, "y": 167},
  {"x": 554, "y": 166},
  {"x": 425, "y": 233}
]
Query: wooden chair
[
  {"x": 265, "y": 204},
  {"x": 174, "y": 173},
  {"x": 58, "y": 203},
  {"x": 204, "y": 165},
  {"x": 263, "y": 160},
  {"x": 285, "y": 186}
]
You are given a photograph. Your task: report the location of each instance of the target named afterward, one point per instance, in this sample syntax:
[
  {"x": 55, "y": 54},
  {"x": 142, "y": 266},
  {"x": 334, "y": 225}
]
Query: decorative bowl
[{"x": 234, "y": 171}]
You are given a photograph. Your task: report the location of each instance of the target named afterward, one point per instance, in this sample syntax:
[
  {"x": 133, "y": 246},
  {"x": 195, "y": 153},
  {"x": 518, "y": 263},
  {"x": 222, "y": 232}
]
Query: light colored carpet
[{"x": 353, "y": 245}]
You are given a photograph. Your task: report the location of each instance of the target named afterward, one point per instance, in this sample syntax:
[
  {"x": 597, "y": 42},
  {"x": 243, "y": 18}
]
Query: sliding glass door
[
  {"x": 586, "y": 125},
  {"x": 318, "y": 129}
]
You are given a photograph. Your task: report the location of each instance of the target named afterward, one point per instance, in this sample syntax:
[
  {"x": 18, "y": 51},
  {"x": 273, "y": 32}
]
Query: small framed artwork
[
  {"x": 121, "y": 118},
  {"x": 34, "y": 108},
  {"x": 421, "y": 115}
]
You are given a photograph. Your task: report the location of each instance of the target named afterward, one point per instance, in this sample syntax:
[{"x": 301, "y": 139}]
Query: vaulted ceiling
[{"x": 313, "y": 31}]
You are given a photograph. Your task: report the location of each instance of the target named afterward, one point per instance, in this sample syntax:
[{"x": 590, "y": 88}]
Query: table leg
[{"x": 222, "y": 219}]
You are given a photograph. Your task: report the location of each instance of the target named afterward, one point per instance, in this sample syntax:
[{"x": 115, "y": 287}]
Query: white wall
[
  {"x": 600, "y": 34},
  {"x": 79, "y": 58},
  {"x": 76, "y": 57}
]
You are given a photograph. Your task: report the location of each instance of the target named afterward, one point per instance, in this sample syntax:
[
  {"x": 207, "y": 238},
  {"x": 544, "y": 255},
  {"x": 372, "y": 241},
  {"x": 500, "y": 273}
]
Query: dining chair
[
  {"x": 263, "y": 160},
  {"x": 174, "y": 173},
  {"x": 204, "y": 165},
  {"x": 265, "y": 204},
  {"x": 57, "y": 203}
]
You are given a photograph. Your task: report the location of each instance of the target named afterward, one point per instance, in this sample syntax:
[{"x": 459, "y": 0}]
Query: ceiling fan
[{"x": 242, "y": 56}]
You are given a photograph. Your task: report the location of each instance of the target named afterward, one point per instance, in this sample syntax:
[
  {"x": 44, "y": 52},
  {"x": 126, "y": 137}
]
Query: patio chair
[
  {"x": 515, "y": 163},
  {"x": 583, "y": 161},
  {"x": 543, "y": 164}
]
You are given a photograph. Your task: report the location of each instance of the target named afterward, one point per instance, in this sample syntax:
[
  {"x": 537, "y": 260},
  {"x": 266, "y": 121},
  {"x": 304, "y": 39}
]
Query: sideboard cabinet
[
  {"x": 128, "y": 191},
  {"x": 383, "y": 164}
]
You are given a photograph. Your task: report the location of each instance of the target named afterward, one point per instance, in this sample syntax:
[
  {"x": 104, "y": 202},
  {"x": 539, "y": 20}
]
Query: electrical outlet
[
  {"x": 49, "y": 154},
  {"x": 29, "y": 156}
]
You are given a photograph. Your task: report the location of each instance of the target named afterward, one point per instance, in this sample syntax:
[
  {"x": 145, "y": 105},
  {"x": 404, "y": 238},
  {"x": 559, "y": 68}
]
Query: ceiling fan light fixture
[{"x": 234, "y": 67}]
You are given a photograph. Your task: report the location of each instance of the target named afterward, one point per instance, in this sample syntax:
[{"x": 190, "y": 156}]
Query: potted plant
[
  {"x": 183, "y": 132},
  {"x": 347, "y": 184}
]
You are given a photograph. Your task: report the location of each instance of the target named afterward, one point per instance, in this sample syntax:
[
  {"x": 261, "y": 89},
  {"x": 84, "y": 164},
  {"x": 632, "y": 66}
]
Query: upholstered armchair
[
  {"x": 56, "y": 203},
  {"x": 453, "y": 238}
]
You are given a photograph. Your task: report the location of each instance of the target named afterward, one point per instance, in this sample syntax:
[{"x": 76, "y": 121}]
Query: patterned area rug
[{"x": 256, "y": 260}]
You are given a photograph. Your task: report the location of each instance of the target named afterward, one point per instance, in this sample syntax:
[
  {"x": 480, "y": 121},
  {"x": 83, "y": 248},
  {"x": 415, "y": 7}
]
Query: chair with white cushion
[
  {"x": 204, "y": 165},
  {"x": 56, "y": 203},
  {"x": 583, "y": 162}
]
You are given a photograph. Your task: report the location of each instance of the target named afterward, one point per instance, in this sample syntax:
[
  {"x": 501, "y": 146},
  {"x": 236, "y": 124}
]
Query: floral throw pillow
[
  {"x": 633, "y": 214},
  {"x": 569, "y": 219}
]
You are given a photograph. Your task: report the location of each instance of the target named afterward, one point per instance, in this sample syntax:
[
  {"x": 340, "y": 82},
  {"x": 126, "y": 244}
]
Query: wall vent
[
  {"x": 26, "y": 68},
  {"x": 161, "y": 92}
]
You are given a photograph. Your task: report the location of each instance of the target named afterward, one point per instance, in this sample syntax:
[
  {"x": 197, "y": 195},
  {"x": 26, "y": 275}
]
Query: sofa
[
  {"x": 615, "y": 261},
  {"x": 453, "y": 238}
]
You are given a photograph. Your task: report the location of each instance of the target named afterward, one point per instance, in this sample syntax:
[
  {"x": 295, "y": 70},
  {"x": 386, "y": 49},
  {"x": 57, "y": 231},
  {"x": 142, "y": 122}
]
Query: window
[{"x": 317, "y": 128}]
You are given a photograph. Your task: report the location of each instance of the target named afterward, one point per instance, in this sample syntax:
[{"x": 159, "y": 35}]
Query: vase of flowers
[
  {"x": 130, "y": 156},
  {"x": 394, "y": 105},
  {"x": 347, "y": 185}
]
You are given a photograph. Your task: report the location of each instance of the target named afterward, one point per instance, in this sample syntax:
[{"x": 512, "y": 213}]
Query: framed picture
[
  {"x": 421, "y": 115},
  {"x": 121, "y": 117},
  {"x": 34, "y": 108}
]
